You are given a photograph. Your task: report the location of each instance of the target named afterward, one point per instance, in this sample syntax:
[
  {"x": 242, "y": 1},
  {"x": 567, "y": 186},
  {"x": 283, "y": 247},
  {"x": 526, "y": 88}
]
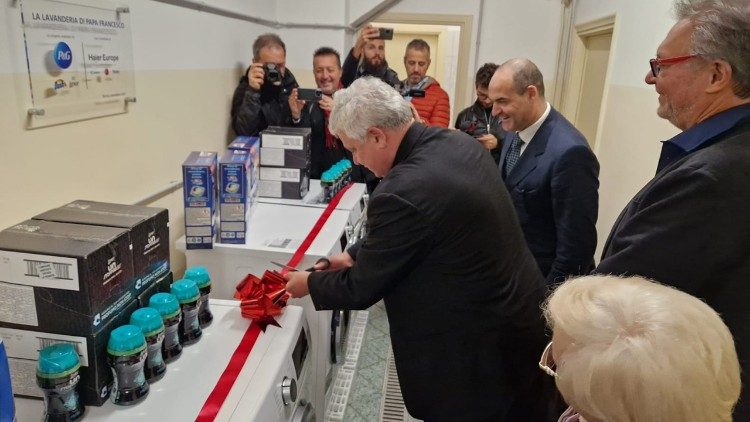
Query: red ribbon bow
[{"x": 262, "y": 298}]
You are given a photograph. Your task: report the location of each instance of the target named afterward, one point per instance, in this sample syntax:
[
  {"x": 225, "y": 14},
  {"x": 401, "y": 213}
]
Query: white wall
[{"x": 629, "y": 146}]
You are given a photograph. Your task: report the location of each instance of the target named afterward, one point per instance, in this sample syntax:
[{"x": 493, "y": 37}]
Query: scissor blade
[{"x": 278, "y": 264}]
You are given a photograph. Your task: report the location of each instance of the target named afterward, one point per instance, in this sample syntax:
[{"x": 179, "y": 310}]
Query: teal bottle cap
[
  {"x": 148, "y": 320},
  {"x": 58, "y": 360},
  {"x": 199, "y": 274},
  {"x": 186, "y": 291},
  {"x": 126, "y": 340},
  {"x": 166, "y": 304}
]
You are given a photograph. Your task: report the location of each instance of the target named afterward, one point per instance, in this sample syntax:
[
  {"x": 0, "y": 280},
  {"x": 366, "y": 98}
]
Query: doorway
[
  {"x": 446, "y": 35},
  {"x": 584, "y": 92}
]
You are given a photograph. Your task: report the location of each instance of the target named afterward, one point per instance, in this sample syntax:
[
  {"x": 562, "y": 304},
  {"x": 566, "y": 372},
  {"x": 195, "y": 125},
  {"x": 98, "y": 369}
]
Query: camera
[
  {"x": 413, "y": 93},
  {"x": 385, "y": 34},
  {"x": 309, "y": 94},
  {"x": 271, "y": 72}
]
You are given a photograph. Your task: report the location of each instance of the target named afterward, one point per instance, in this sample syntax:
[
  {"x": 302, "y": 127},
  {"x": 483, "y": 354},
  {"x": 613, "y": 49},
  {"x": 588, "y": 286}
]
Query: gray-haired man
[{"x": 446, "y": 254}]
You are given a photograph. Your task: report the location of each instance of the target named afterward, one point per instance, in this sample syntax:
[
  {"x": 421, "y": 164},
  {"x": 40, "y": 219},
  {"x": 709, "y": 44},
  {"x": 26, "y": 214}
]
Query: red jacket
[{"x": 434, "y": 108}]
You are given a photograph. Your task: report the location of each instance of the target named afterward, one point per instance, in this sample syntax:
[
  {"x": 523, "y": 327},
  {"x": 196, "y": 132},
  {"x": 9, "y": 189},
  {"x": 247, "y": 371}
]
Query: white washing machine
[
  {"x": 274, "y": 234},
  {"x": 189, "y": 380}
]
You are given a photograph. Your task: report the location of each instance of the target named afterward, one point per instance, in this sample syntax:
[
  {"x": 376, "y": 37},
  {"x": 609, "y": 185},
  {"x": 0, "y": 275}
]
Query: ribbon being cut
[{"x": 261, "y": 299}]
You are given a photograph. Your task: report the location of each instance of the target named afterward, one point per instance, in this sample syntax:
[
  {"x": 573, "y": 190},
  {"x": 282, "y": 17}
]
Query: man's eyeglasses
[
  {"x": 657, "y": 63},
  {"x": 546, "y": 363}
]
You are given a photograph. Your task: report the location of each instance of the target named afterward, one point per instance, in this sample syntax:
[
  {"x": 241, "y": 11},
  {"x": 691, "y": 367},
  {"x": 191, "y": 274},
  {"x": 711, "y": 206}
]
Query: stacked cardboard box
[{"x": 284, "y": 162}]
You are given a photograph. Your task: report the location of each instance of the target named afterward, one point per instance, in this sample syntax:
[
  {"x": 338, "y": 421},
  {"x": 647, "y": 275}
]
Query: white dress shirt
[{"x": 527, "y": 134}]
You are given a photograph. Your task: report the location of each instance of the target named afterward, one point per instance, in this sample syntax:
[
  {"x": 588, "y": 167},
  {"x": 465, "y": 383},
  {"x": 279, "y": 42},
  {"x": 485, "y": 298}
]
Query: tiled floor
[{"x": 367, "y": 388}]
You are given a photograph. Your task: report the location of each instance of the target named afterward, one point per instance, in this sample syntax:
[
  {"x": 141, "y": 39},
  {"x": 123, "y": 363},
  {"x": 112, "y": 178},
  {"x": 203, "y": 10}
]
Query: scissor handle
[{"x": 325, "y": 261}]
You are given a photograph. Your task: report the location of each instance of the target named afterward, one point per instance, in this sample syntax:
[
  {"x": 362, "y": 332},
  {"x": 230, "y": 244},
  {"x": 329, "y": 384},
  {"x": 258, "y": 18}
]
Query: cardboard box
[
  {"x": 198, "y": 175},
  {"x": 61, "y": 276},
  {"x": 251, "y": 144},
  {"x": 283, "y": 182},
  {"x": 162, "y": 285},
  {"x": 294, "y": 138},
  {"x": 23, "y": 346},
  {"x": 235, "y": 195},
  {"x": 279, "y": 157},
  {"x": 148, "y": 229}
]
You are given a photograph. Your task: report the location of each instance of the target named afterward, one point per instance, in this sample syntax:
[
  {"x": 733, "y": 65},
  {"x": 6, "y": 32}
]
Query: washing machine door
[
  {"x": 339, "y": 323},
  {"x": 304, "y": 412}
]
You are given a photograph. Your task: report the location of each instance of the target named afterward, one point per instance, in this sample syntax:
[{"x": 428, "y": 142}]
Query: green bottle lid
[
  {"x": 148, "y": 320},
  {"x": 166, "y": 304},
  {"x": 186, "y": 291},
  {"x": 126, "y": 340},
  {"x": 58, "y": 360},
  {"x": 199, "y": 274}
]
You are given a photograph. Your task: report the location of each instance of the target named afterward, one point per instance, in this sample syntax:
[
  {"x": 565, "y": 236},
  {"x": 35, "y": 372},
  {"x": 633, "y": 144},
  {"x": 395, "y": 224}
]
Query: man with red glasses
[{"x": 690, "y": 225}]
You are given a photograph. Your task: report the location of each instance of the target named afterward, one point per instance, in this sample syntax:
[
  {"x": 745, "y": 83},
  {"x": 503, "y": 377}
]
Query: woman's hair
[{"x": 641, "y": 351}]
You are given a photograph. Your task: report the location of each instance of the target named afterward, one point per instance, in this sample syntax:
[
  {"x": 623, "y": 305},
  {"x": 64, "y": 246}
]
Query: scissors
[{"x": 325, "y": 261}]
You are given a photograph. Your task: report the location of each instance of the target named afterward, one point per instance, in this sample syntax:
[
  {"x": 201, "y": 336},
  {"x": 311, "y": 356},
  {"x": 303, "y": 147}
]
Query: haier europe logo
[{"x": 62, "y": 55}]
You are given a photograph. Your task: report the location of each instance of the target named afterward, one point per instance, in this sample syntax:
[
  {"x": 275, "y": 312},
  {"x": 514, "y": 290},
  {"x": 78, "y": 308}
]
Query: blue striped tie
[{"x": 514, "y": 153}]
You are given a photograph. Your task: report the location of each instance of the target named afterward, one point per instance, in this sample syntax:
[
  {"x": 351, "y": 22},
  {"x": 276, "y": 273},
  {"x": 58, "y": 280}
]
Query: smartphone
[
  {"x": 309, "y": 94},
  {"x": 414, "y": 93},
  {"x": 385, "y": 34}
]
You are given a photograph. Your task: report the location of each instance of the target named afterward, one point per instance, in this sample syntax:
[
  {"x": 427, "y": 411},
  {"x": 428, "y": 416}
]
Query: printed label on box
[
  {"x": 17, "y": 304},
  {"x": 232, "y": 212},
  {"x": 198, "y": 216},
  {"x": 269, "y": 189},
  {"x": 39, "y": 270},
  {"x": 23, "y": 377},
  {"x": 282, "y": 141},
  {"x": 271, "y": 157},
  {"x": 25, "y": 344},
  {"x": 280, "y": 174},
  {"x": 198, "y": 231},
  {"x": 233, "y": 226}
]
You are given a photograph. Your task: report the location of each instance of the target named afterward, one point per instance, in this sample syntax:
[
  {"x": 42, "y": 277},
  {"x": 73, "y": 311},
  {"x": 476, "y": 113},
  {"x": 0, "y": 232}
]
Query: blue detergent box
[
  {"x": 199, "y": 193},
  {"x": 236, "y": 195},
  {"x": 251, "y": 144}
]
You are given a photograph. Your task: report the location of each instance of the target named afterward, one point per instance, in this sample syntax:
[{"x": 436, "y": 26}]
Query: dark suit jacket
[
  {"x": 689, "y": 228},
  {"x": 462, "y": 292},
  {"x": 554, "y": 187}
]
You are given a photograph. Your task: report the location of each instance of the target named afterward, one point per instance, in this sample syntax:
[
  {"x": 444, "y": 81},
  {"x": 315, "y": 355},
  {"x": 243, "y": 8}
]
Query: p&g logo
[{"x": 62, "y": 55}]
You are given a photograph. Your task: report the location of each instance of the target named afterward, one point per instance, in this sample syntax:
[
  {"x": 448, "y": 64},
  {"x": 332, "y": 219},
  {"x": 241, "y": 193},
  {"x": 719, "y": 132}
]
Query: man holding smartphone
[
  {"x": 314, "y": 111},
  {"x": 367, "y": 58},
  {"x": 261, "y": 98}
]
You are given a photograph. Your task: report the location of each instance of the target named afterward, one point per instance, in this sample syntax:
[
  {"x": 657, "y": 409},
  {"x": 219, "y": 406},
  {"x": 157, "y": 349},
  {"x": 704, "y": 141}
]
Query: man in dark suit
[
  {"x": 689, "y": 226},
  {"x": 549, "y": 170},
  {"x": 445, "y": 253}
]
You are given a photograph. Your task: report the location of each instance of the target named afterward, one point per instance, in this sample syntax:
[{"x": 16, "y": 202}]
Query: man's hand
[
  {"x": 367, "y": 33},
  {"x": 338, "y": 262},
  {"x": 326, "y": 103},
  {"x": 296, "y": 283},
  {"x": 415, "y": 113},
  {"x": 489, "y": 141},
  {"x": 255, "y": 76},
  {"x": 295, "y": 105}
]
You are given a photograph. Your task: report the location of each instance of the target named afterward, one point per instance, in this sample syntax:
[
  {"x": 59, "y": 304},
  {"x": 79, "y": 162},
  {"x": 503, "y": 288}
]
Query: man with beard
[
  {"x": 326, "y": 149},
  {"x": 261, "y": 98},
  {"x": 367, "y": 58},
  {"x": 477, "y": 120},
  {"x": 434, "y": 107}
]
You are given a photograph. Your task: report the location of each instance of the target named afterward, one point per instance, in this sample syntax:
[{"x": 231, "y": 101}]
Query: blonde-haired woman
[{"x": 629, "y": 349}]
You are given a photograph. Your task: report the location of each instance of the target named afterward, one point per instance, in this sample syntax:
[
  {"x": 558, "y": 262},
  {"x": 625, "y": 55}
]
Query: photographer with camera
[
  {"x": 477, "y": 120},
  {"x": 261, "y": 98},
  {"x": 367, "y": 58},
  {"x": 312, "y": 108}
]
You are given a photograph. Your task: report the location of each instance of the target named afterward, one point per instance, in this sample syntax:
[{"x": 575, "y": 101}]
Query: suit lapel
[{"x": 530, "y": 156}]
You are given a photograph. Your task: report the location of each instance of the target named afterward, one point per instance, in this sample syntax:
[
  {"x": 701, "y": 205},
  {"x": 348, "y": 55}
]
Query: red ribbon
[{"x": 215, "y": 400}]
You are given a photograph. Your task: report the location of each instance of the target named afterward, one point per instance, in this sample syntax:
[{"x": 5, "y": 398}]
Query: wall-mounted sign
[{"x": 80, "y": 60}]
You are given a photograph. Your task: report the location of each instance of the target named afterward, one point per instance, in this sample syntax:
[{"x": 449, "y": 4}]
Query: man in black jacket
[
  {"x": 367, "y": 58},
  {"x": 477, "y": 120},
  {"x": 326, "y": 149},
  {"x": 689, "y": 227},
  {"x": 446, "y": 254},
  {"x": 261, "y": 98}
]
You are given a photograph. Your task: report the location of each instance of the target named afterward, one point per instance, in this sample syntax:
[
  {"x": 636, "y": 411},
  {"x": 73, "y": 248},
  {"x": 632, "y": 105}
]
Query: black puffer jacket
[
  {"x": 477, "y": 120},
  {"x": 353, "y": 70},
  {"x": 253, "y": 111}
]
